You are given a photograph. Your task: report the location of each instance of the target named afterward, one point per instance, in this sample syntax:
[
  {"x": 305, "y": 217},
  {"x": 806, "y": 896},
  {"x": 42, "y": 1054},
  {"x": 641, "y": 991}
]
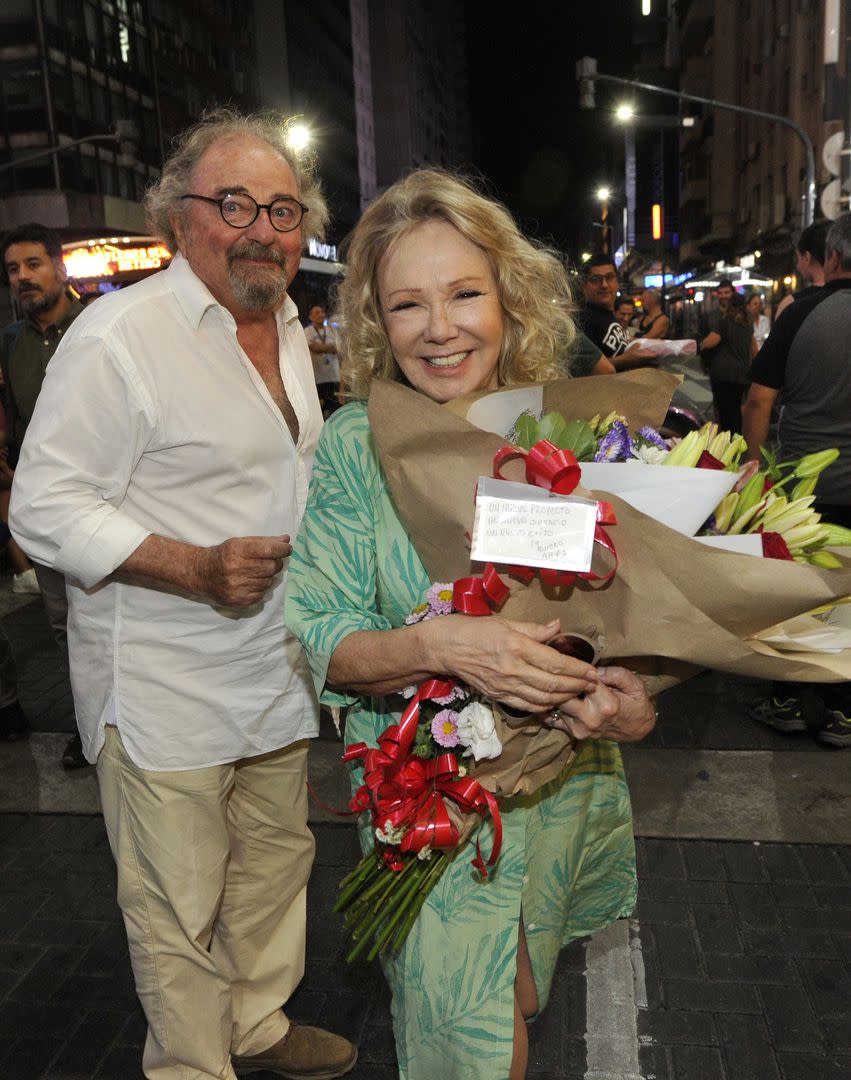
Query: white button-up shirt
[{"x": 152, "y": 419}]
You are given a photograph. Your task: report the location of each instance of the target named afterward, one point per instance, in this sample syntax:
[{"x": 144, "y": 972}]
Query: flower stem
[
  {"x": 360, "y": 878},
  {"x": 408, "y": 895},
  {"x": 369, "y": 861},
  {"x": 440, "y": 861},
  {"x": 375, "y": 894},
  {"x": 367, "y": 929}
]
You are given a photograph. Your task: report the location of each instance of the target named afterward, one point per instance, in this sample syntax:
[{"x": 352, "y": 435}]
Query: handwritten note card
[{"x": 526, "y": 525}]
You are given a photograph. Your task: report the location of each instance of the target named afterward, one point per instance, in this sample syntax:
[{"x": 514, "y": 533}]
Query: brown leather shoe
[{"x": 304, "y": 1053}]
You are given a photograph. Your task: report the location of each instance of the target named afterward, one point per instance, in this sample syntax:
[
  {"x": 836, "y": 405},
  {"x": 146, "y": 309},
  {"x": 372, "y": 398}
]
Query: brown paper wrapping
[{"x": 673, "y": 607}]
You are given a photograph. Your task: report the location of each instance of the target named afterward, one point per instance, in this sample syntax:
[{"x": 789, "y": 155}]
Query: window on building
[
  {"x": 100, "y": 110},
  {"x": 82, "y": 105},
  {"x": 94, "y": 36}
]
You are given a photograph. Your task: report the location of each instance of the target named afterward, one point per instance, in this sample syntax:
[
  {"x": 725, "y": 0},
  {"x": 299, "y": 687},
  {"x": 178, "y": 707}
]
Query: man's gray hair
[
  {"x": 839, "y": 240},
  {"x": 163, "y": 197}
]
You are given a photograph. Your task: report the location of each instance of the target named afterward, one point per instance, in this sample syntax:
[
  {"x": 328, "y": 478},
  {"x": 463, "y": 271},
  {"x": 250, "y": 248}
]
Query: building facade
[
  {"x": 744, "y": 177},
  {"x": 380, "y": 86}
]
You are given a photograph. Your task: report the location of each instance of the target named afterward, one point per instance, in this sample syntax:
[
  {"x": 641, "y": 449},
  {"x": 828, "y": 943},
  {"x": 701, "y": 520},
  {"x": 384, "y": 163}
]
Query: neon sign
[
  {"x": 97, "y": 260},
  {"x": 322, "y": 251}
]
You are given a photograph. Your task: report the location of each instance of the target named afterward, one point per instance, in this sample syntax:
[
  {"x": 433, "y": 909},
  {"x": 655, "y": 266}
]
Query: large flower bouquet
[
  {"x": 672, "y": 607},
  {"x": 675, "y": 605},
  {"x": 782, "y": 523}
]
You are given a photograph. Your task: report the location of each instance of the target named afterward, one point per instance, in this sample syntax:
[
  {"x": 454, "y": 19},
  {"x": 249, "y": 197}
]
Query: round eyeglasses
[{"x": 240, "y": 211}]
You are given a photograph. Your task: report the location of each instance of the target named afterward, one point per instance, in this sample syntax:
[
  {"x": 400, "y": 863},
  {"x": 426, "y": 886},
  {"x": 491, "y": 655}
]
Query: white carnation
[
  {"x": 477, "y": 731},
  {"x": 651, "y": 455}
]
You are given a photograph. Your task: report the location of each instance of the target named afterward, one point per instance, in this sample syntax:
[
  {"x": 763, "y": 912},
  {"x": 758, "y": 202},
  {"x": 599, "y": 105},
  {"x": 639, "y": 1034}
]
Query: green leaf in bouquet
[
  {"x": 526, "y": 430},
  {"x": 575, "y": 435}
]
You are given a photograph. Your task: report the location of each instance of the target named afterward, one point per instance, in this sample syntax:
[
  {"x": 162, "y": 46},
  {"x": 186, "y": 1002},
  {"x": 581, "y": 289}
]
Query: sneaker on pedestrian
[
  {"x": 782, "y": 714},
  {"x": 73, "y": 756},
  {"x": 26, "y": 582},
  {"x": 836, "y": 731},
  {"x": 303, "y": 1052},
  {"x": 13, "y": 723}
]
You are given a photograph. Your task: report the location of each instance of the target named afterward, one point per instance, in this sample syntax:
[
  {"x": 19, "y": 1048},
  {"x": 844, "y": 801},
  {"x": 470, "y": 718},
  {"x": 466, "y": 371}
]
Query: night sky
[{"x": 543, "y": 155}]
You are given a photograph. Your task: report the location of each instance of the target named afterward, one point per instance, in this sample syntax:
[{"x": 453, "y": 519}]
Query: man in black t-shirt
[
  {"x": 806, "y": 362},
  {"x": 597, "y": 319}
]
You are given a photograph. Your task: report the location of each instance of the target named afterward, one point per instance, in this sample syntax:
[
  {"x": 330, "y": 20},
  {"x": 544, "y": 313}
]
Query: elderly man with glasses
[{"x": 164, "y": 472}]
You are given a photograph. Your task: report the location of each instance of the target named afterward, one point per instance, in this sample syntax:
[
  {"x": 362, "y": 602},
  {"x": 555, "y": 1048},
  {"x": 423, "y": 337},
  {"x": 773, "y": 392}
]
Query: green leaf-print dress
[{"x": 568, "y": 857}]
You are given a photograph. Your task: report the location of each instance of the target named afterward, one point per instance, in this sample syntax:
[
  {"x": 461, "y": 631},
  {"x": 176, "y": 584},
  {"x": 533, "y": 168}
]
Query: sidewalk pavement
[{"x": 734, "y": 967}]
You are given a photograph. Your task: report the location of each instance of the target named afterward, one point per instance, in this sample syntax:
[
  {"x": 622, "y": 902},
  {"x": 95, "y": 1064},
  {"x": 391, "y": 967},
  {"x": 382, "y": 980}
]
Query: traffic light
[{"x": 586, "y": 69}]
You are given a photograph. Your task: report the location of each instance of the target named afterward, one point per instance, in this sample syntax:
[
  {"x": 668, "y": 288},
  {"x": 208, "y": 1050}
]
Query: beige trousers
[{"x": 212, "y": 874}]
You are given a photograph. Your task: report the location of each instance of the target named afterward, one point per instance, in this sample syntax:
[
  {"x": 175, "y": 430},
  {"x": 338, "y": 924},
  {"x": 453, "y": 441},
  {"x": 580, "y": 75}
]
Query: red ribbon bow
[
  {"x": 557, "y": 471},
  {"x": 408, "y": 792}
]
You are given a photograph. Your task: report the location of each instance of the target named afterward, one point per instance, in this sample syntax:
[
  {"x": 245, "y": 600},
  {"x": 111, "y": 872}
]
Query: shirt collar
[
  {"x": 196, "y": 299},
  {"x": 74, "y": 309}
]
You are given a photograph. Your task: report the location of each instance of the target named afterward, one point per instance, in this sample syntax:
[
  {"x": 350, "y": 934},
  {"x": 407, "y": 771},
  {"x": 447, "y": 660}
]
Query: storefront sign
[
  {"x": 98, "y": 260},
  {"x": 328, "y": 252}
]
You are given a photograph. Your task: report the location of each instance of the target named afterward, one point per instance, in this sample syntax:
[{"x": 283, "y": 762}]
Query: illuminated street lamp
[
  {"x": 625, "y": 112},
  {"x": 603, "y": 193},
  {"x": 299, "y": 136}
]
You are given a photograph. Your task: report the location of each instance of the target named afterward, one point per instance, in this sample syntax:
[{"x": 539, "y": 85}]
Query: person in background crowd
[
  {"x": 809, "y": 262},
  {"x": 727, "y": 349},
  {"x": 584, "y": 358},
  {"x": 13, "y": 721},
  {"x": 597, "y": 316},
  {"x": 165, "y": 470},
  {"x": 806, "y": 363},
  {"x": 625, "y": 313},
  {"x": 32, "y": 260},
  {"x": 761, "y": 325},
  {"x": 653, "y": 322},
  {"x": 323, "y": 345}
]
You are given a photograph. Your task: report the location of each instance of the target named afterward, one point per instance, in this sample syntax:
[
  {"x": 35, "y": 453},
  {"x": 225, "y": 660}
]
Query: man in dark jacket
[{"x": 32, "y": 260}]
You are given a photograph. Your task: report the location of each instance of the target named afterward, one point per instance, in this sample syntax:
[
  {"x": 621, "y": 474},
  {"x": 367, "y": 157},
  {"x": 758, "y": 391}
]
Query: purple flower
[
  {"x": 614, "y": 446},
  {"x": 652, "y": 436},
  {"x": 457, "y": 693},
  {"x": 439, "y": 598},
  {"x": 420, "y": 612},
  {"x": 444, "y": 728}
]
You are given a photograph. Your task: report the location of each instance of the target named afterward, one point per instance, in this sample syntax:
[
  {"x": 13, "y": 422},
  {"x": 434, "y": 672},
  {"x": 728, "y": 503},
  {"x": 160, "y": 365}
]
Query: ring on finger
[{"x": 556, "y": 716}]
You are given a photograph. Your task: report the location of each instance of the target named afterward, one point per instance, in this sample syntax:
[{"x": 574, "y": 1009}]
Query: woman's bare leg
[
  {"x": 525, "y": 1006},
  {"x": 520, "y": 1053}
]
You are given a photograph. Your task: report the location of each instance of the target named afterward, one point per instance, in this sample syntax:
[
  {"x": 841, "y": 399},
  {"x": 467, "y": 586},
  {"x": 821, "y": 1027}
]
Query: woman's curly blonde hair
[{"x": 532, "y": 283}]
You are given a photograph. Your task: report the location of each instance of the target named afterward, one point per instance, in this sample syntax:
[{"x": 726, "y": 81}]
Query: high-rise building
[
  {"x": 73, "y": 71},
  {"x": 381, "y": 87},
  {"x": 744, "y": 177}
]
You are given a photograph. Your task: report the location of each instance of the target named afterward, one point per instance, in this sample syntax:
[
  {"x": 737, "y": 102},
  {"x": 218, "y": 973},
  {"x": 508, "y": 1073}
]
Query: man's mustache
[{"x": 253, "y": 249}]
